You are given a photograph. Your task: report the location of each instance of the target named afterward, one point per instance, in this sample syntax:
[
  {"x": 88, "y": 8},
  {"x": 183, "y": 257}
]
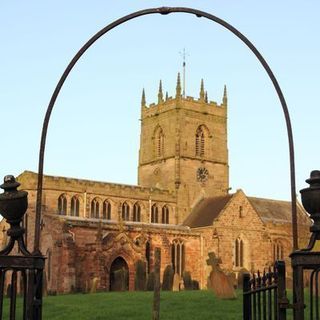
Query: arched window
[
  {"x": 238, "y": 252},
  {"x": 200, "y": 142},
  {"x": 178, "y": 256},
  {"x": 165, "y": 214},
  {"x": 278, "y": 252},
  {"x": 154, "y": 214},
  {"x": 159, "y": 142},
  {"x": 62, "y": 205},
  {"x": 106, "y": 210},
  {"x": 136, "y": 212},
  {"x": 95, "y": 208},
  {"x": 125, "y": 212},
  {"x": 75, "y": 206}
]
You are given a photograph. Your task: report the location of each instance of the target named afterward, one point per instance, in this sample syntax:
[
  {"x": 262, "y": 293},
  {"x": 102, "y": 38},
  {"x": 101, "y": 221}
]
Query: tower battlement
[{"x": 201, "y": 104}]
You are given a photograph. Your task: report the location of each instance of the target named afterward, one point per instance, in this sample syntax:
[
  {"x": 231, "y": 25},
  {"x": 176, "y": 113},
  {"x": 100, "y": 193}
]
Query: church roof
[
  {"x": 206, "y": 211},
  {"x": 274, "y": 210}
]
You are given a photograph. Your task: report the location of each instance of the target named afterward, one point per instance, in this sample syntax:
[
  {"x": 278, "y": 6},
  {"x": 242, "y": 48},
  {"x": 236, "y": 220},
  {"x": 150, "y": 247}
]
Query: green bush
[
  {"x": 140, "y": 276},
  {"x": 167, "y": 282},
  {"x": 150, "y": 281}
]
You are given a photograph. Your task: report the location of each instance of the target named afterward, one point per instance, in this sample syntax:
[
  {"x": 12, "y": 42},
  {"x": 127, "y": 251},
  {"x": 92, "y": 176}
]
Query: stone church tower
[{"x": 183, "y": 147}]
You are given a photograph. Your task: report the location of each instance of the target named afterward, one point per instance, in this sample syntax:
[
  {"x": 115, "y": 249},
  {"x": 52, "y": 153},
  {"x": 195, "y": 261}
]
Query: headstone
[
  {"x": 156, "y": 292},
  {"x": 176, "y": 282},
  {"x": 93, "y": 288},
  {"x": 240, "y": 277},
  {"x": 220, "y": 283},
  {"x": 181, "y": 285}
]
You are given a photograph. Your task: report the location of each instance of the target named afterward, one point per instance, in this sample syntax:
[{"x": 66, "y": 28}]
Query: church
[{"x": 182, "y": 204}]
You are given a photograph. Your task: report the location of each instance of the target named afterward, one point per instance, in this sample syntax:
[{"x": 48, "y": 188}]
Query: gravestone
[
  {"x": 220, "y": 283},
  {"x": 176, "y": 282},
  {"x": 93, "y": 288},
  {"x": 240, "y": 277}
]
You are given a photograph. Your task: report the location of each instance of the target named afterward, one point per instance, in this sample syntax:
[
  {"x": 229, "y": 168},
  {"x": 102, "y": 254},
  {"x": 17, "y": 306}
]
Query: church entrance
[{"x": 119, "y": 275}]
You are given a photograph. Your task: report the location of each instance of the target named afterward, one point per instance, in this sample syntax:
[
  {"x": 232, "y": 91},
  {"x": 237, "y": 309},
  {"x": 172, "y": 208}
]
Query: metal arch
[{"x": 164, "y": 11}]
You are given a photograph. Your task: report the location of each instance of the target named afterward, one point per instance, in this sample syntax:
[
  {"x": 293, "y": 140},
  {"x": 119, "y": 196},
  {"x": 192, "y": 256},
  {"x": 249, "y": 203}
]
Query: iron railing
[
  {"x": 21, "y": 272},
  {"x": 264, "y": 295}
]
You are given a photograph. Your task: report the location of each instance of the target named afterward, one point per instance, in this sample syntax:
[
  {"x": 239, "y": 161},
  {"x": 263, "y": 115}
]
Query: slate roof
[{"x": 205, "y": 211}]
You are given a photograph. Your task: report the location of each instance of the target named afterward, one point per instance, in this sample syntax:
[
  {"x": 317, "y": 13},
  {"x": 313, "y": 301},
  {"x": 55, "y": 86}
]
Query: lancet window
[
  {"x": 125, "y": 212},
  {"x": 159, "y": 142},
  {"x": 75, "y": 206},
  {"x": 278, "y": 252},
  {"x": 200, "y": 141},
  {"x": 154, "y": 214},
  {"x": 106, "y": 210},
  {"x": 238, "y": 252},
  {"x": 178, "y": 256},
  {"x": 95, "y": 208},
  {"x": 136, "y": 212},
  {"x": 62, "y": 205},
  {"x": 165, "y": 214}
]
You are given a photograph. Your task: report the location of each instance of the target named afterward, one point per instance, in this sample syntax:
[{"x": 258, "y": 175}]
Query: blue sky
[{"x": 94, "y": 128}]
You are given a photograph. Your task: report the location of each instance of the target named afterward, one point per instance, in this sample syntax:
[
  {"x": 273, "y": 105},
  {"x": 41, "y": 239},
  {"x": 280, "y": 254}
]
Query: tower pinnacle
[
  {"x": 202, "y": 93},
  {"x": 178, "y": 88},
  {"x": 225, "y": 97},
  {"x": 160, "y": 94},
  {"x": 143, "y": 99}
]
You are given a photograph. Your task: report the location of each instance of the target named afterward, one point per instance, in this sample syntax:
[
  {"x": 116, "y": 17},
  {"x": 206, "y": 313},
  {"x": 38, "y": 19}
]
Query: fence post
[
  {"x": 246, "y": 297},
  {"x": 281, "y": 290}
]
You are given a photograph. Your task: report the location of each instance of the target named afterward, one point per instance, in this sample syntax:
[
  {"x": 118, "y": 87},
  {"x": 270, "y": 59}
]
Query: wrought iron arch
[{"x": 163, "y": 11}]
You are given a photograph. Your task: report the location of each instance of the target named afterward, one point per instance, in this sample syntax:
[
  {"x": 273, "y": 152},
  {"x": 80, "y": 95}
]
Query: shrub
[
  {"x": 150, "y": 281},
  {"x": 140, "y": 276},
  {"x": 187, "y": 280},
  {"x": 167, "y": 282}
]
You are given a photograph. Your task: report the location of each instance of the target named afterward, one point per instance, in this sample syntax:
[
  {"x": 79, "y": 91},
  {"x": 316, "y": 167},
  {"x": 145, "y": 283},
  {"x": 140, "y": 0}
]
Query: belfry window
[
  {"x": 62, "y": 205},
  {"x": 165, "y": 215},
  {"x": 154, "y": 214},
  {"x": 106, "y": 210},
  {"x": 125, "y": 212},
  {"x": 178, "y": 256},
  {"x": 200, "y": 142},
  {"x": 136, "y": 212},
  {"x": 75, "y": 206},
  {"x": 95, "y": 208},
  {"x": 278, "y": 252},
  {"x": 238, "y": 252}
]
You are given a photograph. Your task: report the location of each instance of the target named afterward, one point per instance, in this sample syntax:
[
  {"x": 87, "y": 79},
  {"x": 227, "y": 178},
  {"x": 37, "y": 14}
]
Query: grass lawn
[{"x": 184, "y": 305}]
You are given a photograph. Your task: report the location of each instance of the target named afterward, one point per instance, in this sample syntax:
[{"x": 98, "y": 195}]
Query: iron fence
[
  {"x": 264, "y": 295},
  {"x": 21, "y": 272}
]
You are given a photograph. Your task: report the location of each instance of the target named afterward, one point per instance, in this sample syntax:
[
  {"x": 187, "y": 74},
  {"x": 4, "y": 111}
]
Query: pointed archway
[{"x": 119, "y": 275}]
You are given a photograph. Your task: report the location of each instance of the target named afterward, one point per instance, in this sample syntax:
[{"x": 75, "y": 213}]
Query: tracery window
[
  {"x": 278, "y": 251},
  {"x": 95, "y": 208},
  {"x": 154, "y": 214},
  {"x": 178, "y": 256},
  {"x": 62, "y": 205},
  {"x": 125, "y": 212},
  {"x": 238, "y": 252},
  {"x": 106, "y": 210},
  {"x": 75, "y": 206},
  {"x": 165, "y": 214},
  {"x": 136, "y": 212},
  {"x": 200, "y": 142}
]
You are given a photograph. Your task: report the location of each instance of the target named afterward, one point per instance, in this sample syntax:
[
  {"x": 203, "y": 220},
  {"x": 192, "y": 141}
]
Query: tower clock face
[{"x": 202, "y": 174}]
